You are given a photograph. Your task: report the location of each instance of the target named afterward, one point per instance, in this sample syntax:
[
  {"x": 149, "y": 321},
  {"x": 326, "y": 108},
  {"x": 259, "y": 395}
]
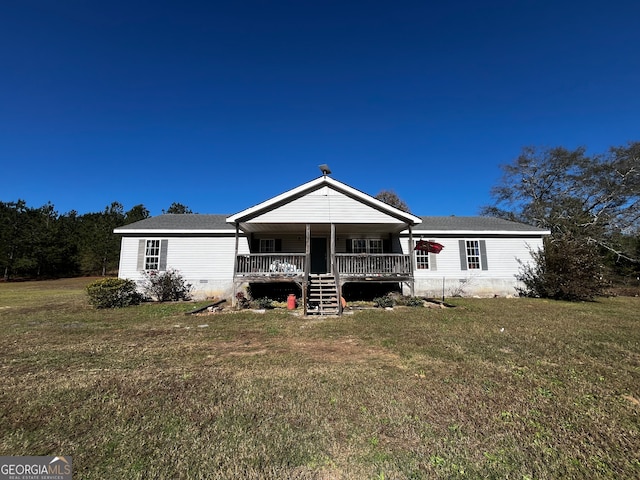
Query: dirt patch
[
  {"x": 343, "y": 350},
  {"x": 347, "y": 350}
]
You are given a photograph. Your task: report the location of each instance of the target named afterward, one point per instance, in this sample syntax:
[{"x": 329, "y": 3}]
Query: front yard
[{"x": 494, "y": 388}]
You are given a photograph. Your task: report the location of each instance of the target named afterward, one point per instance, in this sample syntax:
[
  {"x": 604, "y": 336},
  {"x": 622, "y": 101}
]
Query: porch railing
[
  {"x": 270, "y": 264},
  {"x": 347, "y": 264},
  {"x": 379, "y": 264}
]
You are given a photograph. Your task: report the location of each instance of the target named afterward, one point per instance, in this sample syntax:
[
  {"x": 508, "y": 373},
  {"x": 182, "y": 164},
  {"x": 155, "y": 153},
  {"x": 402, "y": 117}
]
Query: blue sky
[{"x": 221, "y": 105}]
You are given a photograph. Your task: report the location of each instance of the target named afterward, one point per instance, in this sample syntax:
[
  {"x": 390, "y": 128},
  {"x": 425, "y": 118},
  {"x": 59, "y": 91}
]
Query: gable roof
[{"x": 319, "y": 183}]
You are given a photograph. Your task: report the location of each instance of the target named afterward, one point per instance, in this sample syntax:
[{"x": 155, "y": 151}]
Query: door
[{"x": 318, "y": 255}]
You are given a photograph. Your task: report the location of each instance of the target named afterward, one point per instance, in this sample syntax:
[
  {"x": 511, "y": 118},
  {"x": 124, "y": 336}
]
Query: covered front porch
[
  {"x": 320, "y": 235},
  {"x": 321, "y": 258}
]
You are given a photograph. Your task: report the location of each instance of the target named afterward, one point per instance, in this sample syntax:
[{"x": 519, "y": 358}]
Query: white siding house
[
  {"x": 481, "y": 255},
  {"x": 206, "y": 261},
  {"x": 323, "y": 235}
]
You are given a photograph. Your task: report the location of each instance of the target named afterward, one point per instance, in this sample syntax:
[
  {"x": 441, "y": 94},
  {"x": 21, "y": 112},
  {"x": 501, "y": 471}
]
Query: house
[{"x": 325, "y": 240}]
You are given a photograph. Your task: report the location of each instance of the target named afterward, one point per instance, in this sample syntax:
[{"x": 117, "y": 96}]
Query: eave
[
  {"x": 167, "y": 231},
  {"x": 481, "y": 233}
]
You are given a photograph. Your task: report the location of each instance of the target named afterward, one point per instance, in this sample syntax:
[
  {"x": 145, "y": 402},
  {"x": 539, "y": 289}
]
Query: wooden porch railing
[
  {"x": 347, "y": 265},
  {"x": 378, "y": 264},
  {"x": 270, "y": 264}
]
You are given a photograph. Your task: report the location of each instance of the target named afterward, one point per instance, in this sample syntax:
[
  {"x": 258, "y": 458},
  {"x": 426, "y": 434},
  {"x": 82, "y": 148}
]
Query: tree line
[{"x": 39, "y": 242}]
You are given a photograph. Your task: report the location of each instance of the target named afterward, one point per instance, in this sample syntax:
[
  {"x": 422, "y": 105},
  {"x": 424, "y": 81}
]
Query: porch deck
[
  {"x": 277, "y": 267},
  {"x": 374, "y": 266},
  {"x": 265, "y": 267}
]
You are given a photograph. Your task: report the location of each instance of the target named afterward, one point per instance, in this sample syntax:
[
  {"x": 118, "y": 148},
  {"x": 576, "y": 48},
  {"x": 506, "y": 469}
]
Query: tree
[
  {"x": 584, "y": 200},
  {"x": 567, "y": 191},
  {"x": 36, "y": 242},
  {"x": 179, "y": 208},
  {"x": 100, "y": 247},
  {"x": 68, "y": 241},
  {"x": 137, "y": 213},
  {"x": 44, "y": 240},
  {"x": 39, "y": 242},
  {"x": 391, "y": 198},
  {"x": 13, "y": 219}
]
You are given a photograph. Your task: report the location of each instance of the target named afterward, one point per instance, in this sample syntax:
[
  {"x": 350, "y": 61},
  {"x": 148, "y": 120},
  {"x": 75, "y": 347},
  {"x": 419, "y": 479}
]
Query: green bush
[
  {"x": 568, "y": 268},
  {"x": 407, "y": 301},
  {"x": 413, "y": 301},
  {"x": 263, "y": 303},
  {"x": 113, "y": 293},
  {"x": 167, "y": 286},
  {"x": 384, "y": 302}
]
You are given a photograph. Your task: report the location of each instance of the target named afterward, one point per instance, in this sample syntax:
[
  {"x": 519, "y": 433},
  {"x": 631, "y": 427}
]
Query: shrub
[
  {"x": 567, "y": 269},
  {"x": 242, "y": 300},
  {"x": 113, "y": 293},
  {"x": 264, "y": 302},
  {"x": 407, "y": 301},
  {"x": 384, "y": 302},
  {"x": 167, "y": 286},
  {"x": 413, "y": 302}
]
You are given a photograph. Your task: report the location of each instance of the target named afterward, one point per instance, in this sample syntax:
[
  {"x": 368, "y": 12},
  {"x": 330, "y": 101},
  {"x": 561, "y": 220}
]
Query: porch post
[
  {"x": 413, "y": 262},
  {"x": 334, "y": 268},
  {"x": 235, "y": 267},
  {"x": 307, "y": 261}
]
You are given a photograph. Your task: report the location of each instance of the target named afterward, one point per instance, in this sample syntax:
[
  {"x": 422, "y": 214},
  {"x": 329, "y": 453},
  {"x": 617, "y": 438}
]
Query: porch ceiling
[{"x": 322, "y": 228}]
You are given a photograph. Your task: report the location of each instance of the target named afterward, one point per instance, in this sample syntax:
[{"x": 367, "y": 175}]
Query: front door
[{"x": 318, "y": 255}]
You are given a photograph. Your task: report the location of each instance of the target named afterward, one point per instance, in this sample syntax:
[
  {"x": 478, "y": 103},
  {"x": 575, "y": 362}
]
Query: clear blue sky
[{"x": 221, "y": 105}]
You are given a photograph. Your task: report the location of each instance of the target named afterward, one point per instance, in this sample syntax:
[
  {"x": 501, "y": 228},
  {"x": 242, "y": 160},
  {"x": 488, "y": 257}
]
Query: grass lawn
[{"x": 147, "y": 392}]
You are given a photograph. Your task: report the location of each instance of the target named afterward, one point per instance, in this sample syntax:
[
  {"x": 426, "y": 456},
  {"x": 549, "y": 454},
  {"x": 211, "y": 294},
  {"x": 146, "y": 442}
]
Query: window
[
  {"x": 375, "y": 246},
  {"x": 267, "y": 245},
  {"x": 422, "y": 260},
  {"x": 473, "y": 254},
  {"x": 358, "y": 245},
  {"x": 366, "y": 245},
  {"x": 152, "y": 255}
]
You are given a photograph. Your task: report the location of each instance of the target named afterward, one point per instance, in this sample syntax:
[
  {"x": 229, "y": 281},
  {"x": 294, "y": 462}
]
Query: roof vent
[{"x": 324, "y": 168}]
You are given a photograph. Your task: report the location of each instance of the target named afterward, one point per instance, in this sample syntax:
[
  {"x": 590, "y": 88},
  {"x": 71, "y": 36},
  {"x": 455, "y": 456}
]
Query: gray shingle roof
[
  {"x": 218, "y": 222},
  {"x": 454, "y": 223},
  {"x": 191, "y": 221}
]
